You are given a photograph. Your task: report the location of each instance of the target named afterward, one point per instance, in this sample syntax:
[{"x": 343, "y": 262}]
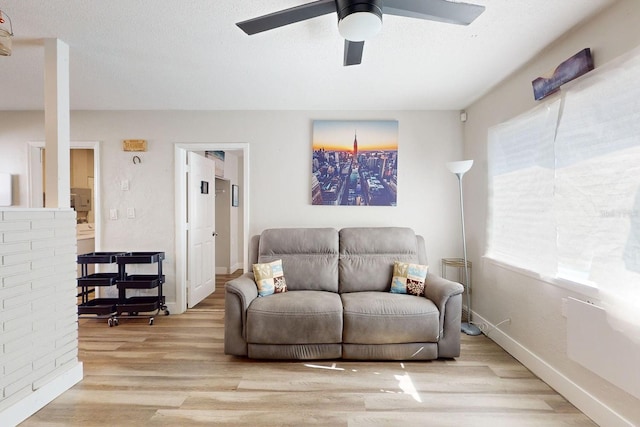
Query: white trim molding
[
  {"x": 594, "y": 408},
  {"x": 37, "y": 400}
]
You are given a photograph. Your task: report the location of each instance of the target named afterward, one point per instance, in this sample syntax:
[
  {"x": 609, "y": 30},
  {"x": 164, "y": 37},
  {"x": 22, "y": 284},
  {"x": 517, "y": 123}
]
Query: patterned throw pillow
[
  {"x": 408, "y": 278},
  {"x": 270, "y": 278}
]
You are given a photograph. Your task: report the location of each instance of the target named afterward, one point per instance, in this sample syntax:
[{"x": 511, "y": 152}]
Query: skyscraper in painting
[
  {"x": 355, "y": 146},
  {"x": 355, "y": 163}
]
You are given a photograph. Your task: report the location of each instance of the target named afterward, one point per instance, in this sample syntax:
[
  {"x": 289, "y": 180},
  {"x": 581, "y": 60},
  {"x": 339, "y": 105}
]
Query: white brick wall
[{"x": 38, "y": 317}]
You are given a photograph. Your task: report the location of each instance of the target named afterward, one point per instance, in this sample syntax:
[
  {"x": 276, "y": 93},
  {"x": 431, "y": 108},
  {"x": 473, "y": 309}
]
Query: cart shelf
[
  {"x": 98, "y": 258},
  {"x": 98, "y": 279},
  {"x": 135, "y": 305},
  {"x": 100, "y": 306},
  {"x": 140, "y": 257},
  {"x": 140, "y": 281}
]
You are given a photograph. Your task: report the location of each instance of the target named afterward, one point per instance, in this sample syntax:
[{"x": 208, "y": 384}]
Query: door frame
[
  {"x": 97, "y": 179},
  {"x": 180, "y": 155}
]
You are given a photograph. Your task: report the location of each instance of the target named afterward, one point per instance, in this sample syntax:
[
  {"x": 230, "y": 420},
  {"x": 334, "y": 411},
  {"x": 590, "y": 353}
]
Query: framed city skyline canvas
[{"x": 354, "y": 163}]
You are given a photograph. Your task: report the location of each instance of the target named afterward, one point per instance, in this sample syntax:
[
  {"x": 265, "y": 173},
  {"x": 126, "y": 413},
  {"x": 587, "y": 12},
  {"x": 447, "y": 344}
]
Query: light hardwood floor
[{"x": 175, "y": 373}]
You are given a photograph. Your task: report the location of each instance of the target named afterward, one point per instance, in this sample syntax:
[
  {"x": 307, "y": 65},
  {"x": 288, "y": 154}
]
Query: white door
[{"x": 201, "y": 233}]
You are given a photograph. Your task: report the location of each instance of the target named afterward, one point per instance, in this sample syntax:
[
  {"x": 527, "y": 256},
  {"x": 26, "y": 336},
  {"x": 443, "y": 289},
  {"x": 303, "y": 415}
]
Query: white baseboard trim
[
  {"x": 591, "y": 406},
  {"x": 235, "y": 267},
  {"x": 222, "y": 270},
  {"x": 37, "y": 400}
]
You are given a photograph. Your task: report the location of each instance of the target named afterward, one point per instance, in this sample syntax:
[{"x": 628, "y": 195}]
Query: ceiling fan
[{"x": 359, "y": 20}]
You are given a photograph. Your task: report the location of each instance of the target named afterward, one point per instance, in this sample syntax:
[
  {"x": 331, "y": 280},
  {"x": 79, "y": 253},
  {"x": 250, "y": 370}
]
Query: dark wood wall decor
[{"x": 574, "y": 67}]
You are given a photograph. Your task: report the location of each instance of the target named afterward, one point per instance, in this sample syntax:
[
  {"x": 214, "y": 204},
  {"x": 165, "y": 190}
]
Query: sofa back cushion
[
  {"x": 309, "y": 256},
  {"x": 367, "y": 256}
]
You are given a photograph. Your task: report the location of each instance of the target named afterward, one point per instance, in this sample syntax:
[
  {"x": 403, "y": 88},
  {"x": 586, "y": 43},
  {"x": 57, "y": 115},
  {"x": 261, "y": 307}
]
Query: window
[{"x": 564, "y": 185}]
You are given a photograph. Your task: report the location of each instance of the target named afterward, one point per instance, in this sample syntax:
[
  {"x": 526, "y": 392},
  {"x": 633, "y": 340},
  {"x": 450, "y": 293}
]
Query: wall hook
[{"x": 136, "y": 160}]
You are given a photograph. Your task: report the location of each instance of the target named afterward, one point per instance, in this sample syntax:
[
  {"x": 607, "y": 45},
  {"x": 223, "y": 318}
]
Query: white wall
[
  {"x": 537, "y": 331},
  {"x": 14, "y": 150},
  {"x": 280, "y": 172}
]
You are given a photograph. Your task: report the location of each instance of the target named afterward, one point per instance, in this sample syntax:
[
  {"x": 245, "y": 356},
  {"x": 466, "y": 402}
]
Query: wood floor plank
[
  {"x": 203, "y": 383},
  {"x": 175, "y": 373},
  {"x": 285, "y": 401},
  {"x": 252, "y": 417},
  {"x": 146, "y": 398}
]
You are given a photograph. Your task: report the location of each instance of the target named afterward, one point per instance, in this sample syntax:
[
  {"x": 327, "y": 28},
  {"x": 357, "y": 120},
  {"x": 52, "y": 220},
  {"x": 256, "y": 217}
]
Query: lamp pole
[{"x": 459, "y": 169}]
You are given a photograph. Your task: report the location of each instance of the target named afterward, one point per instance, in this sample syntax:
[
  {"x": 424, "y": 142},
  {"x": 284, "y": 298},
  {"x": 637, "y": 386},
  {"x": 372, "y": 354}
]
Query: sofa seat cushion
[
  {"x": 295, "y": 317},
  {"x": 386, "y": 318}
]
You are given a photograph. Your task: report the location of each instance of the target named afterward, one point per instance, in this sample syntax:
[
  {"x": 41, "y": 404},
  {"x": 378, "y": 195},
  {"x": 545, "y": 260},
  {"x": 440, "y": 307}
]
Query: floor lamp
[{"x": 459, "y": 169}]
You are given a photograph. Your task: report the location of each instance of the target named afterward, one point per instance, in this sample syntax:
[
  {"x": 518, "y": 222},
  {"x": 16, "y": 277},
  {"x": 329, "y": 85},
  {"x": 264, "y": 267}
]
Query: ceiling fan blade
[
  {"x": 434, "y": 10},
  {"x": 353, "y": 52},
  {"x": 287, "y": 16}
]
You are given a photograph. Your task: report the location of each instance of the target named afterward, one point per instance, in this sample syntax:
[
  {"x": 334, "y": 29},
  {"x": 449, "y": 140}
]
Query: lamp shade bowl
[{"x": 460, "y": 167}]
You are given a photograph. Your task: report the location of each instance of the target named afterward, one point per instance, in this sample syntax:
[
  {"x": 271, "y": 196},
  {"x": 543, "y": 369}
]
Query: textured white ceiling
[{"x": 189, "y": 55}]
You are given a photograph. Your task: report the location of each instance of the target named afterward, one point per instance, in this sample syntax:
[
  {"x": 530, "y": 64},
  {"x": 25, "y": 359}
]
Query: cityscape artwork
[{"x": 355, "y": 163}]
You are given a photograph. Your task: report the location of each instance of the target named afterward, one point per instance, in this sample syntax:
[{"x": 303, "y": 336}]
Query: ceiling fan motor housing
[
  {"x": 365, "y": 17},
  {"x": 347, "y": 7}
]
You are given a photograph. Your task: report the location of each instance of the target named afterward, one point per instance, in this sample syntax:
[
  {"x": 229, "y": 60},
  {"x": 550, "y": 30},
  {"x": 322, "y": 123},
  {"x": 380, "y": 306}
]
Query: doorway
[
  {"x": 182, "y": 206},
  {"x": 228, "y": 256},
  {"x": 89, "y": 178}
]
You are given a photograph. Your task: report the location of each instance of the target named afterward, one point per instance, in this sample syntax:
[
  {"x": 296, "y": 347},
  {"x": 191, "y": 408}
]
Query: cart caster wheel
[
  {"x": 151, "y": 321},
  {"x": 116, "y": 322},
  {"x": 166, "y": 312},
  {"x": 110, "y": 322}
]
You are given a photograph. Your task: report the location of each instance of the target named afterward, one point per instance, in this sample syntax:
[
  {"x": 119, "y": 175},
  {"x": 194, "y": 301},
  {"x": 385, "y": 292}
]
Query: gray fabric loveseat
[{"x": 338, "y": 303}]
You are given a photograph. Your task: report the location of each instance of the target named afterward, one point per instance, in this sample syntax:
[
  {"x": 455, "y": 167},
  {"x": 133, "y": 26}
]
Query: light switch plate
[
  {"x": 131, "y": 213},
  {"x": 113, "y": 214},
  {"x": 124, "y": 185}
]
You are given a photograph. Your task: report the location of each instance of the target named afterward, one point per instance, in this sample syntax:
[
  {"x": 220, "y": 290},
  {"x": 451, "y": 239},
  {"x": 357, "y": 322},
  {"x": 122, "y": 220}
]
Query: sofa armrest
[
  {"x": 244, "y": 287},
  {"x": 447, "y": 296},
  {"x": 238, "y": 295},
  {"x": 439, "y": 290}
]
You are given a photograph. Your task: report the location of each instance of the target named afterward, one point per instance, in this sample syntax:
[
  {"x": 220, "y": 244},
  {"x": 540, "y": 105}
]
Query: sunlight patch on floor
[
  {"x": 405, "y": 383},
  {"x": 332, "y": 367}
]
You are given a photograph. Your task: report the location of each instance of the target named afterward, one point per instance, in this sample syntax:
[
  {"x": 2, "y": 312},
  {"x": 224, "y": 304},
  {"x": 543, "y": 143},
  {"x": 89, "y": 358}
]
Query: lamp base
[{"x": 470, "y": 329}]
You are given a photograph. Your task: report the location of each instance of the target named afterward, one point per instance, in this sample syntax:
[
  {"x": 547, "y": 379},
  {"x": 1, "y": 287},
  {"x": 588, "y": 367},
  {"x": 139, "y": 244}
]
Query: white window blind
[
  {"x": 521, "y": 183},
  {"x": 565, "y": 188}
]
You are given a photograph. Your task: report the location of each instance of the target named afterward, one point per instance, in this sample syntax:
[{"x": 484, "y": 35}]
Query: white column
[{"x": 57, "y": 123}]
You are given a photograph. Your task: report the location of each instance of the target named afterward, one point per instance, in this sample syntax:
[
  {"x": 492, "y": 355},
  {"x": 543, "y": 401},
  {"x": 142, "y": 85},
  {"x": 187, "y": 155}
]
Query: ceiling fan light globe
[{"x": 359, "y": 26}]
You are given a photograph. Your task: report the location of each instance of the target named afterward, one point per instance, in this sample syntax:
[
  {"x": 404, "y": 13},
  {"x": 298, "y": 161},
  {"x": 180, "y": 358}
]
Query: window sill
[{"x": 581, "y": 289}]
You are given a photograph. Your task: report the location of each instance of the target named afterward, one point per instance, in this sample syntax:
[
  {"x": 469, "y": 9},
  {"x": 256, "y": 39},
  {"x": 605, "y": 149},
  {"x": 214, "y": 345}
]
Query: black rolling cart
[
  {"x": 134, "y": 305},
  {"x": 100, "y": 307},
  {"x": 114, "y": 309}
]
